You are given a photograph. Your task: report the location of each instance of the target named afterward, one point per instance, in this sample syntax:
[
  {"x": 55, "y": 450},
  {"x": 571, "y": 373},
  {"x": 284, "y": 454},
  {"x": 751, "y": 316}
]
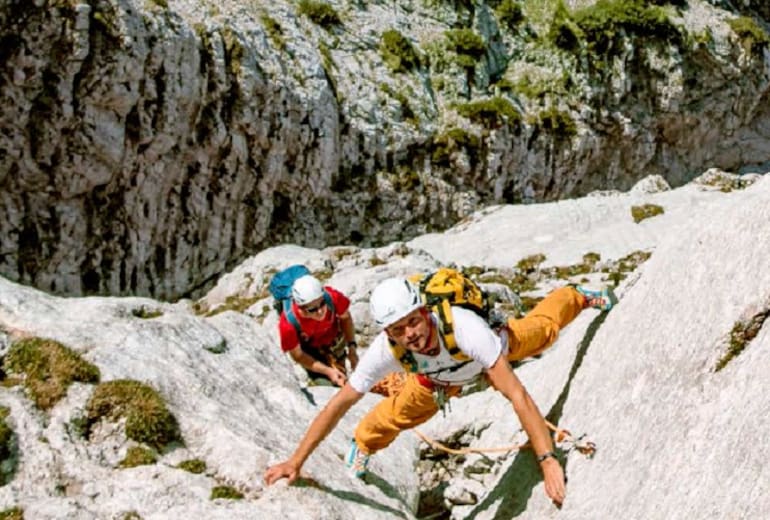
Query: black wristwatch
[
  {"x": 352, "y": 344},
  {"x": 547, "y": 454}
]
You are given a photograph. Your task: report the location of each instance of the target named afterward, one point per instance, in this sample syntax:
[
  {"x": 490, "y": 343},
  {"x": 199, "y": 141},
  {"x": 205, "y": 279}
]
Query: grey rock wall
[{"x": 147, "y": 147}]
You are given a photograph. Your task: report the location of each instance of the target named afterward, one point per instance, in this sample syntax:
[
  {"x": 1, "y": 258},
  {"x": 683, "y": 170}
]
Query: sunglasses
[{"x": 317, "y": 307}]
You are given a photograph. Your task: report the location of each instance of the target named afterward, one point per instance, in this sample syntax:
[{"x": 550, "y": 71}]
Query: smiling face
[
  {"x": 415, "y": 332},
  {"x": 315, "y": 310}
]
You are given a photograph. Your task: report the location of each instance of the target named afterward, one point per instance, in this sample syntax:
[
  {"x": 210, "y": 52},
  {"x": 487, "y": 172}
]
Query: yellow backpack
[{"x": 441, "y": 290}]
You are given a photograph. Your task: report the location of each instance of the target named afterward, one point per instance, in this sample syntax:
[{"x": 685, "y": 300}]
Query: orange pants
[{"x": 414, "y": 404}]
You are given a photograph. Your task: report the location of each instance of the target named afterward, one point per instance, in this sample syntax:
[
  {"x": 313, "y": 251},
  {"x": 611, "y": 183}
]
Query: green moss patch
[
  {"x": 452, "y": 140},
  {"x": 559, "y": 124},
  {"x": 750, "y": 32},
  {"x": 6, "y": 435},
  {"x": 645, "y": 211},
  {"x": 320, "y": 13},
  {"x": 274, "y": 31},
  {"x": 138, "y": 456},
  {"x": 147, "y": 418},
  {"x": 235, "y": 303},
  {"x": 509, "y": 14},
  {"x": 530, "y": 263},
  {"x": 228, "y": 492},
  {"x": 600, "y": 25},
  {"x": 616, "y": 271},
  {"x": 397, "y": 52},
  {"x": 490, "y": 112},
  {"x": 49, "y": 368},
  {"x": 740, "y": 336},
  {"x": 467, "y": 44},
  {"x": 196, "y": 466},
  {"x": 14, "y": 513},
  {"x": 146, "y": 313}
]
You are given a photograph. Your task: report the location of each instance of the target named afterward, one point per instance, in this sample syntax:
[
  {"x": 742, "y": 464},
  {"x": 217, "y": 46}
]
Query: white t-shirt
[{"x": 473, "y": 336}]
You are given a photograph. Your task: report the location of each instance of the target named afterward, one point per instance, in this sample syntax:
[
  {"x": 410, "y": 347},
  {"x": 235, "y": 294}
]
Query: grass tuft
[
  {"x": 138, "y": 456},
  {"x": 320, "y": 13},
  {"x": 49, "y": 368},
  {"x": 228, "y": 492},
  {"x": 147, "y": 418},
  {"x": 196, "y": 466},
  {"x": 740, "y": 336},
  {"x": 645, "y": 211}
]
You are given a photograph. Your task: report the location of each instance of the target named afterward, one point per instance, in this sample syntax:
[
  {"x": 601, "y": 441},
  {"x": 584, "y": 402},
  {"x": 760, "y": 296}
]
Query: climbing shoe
[
  {"x": 356, "y": 461},
  {"x": 603, "y": 300}
]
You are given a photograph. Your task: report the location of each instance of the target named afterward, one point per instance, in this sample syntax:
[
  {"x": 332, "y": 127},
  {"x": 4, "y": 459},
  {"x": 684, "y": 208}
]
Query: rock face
[
  {"x": 147, "y": 147},
  {"x": 659, "y": 384}
]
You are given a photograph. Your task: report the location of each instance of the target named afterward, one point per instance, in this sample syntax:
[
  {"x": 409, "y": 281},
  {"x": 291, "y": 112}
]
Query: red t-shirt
[{"x": 320, "y": 333}]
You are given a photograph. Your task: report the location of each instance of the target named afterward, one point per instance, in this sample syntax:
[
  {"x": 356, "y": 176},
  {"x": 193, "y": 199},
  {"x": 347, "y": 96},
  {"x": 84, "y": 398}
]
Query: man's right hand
[
  {"x": 336, "y": 377},
  {"x": 283, "y": 470}
]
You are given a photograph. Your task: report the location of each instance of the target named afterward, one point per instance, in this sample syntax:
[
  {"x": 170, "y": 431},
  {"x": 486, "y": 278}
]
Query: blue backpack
[{"x": 280, "y": 288}]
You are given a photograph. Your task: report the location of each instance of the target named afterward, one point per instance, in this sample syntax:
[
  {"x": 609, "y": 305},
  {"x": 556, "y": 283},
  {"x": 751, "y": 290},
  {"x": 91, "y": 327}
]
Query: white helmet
[
  {"x": 306, "y": 289},
  {"x": 393, "y": 299}
]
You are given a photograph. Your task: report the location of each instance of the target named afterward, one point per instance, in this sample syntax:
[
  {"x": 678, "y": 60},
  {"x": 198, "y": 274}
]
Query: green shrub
[
  {"x": 750, "y": 33},
  {"x": 320, "y": 13},
  {"x": 632, "y": 260},
  {"x": 468, "y": 45},
  {"x": 196, "y": 466},
  {"x": 50, "y": 368},
  {"x": 225, "y": 492},
  {"x": 407, "y": 112},
  {"x": 376, "y": 260},
  {"x": 529, "y": 302},
  {"x": 403, "y": 180},
  {"x": 234, "y": 50},
  {"x": 274, "y": 31},
  {"x": 536, "y": 88},
  {"x": 740, "y": 336},
  {"x": 147, "y": 418},
  {"x": 146, "y": 313},
  {"x": 557, "y": 123},
  {"x": 591, "y": 258},
  {"x": 530, "y": 263},
  {"x": 677, "y": 3},
  {"x": 451, "y": 140},
  {"x": 236, "y": 303},
  {"x": 563, "y": 31},
  {"x": 14, "y": 513},
  {"x": 490, "y": 111},
  {"x": 138, "y": 456},
  {"x": 509, "y": 14},
  {"x": 6, "y": 435},
  {"x": 645, "y": 211},
  {"x": 397, "y": 51},
  {"x": 602, "y": 22}
]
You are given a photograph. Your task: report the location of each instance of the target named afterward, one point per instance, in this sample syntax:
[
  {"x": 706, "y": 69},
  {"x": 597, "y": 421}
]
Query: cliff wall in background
[{"x": 148, "y": 146}]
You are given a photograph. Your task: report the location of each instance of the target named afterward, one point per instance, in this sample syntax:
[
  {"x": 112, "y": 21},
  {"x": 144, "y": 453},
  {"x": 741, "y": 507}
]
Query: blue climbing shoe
[
  {"x": 603, "y": 300},
  {"x": 356, "y": 461}
]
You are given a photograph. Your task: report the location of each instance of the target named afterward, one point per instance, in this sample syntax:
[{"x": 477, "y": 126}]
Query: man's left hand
[{"x": 553, "y": 475}]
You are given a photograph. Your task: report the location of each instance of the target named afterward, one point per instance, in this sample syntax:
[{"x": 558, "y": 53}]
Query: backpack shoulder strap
[
  {"x": 441, "y": 306},
  {"x": 447, "y": 330},
  {"x": 403, "y": 356},
  {"x": 292, "y": 319},
  {"x": 329, "y": 301}
]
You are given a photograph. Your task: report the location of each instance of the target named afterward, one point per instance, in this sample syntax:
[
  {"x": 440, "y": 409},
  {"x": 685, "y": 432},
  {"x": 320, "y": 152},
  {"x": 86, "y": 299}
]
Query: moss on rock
[
  {"x": 49, "y": 368},
  {"x": 147, "y": 418}
]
